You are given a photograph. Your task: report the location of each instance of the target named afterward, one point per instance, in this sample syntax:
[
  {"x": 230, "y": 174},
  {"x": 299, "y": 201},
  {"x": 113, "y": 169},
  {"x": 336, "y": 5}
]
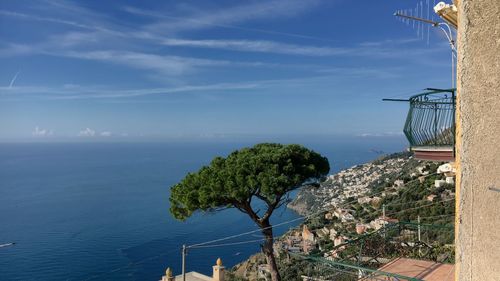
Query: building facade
[{"x": 478, "y": 141}]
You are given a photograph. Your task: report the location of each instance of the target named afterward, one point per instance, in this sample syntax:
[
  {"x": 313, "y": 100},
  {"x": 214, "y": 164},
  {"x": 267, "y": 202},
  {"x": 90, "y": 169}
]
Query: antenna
[
  {"x": 419, "y": 20},
  {"x": 416, "y": 19},
  {"x": 416, "y": 16},
  {"x": 428, "y": 27}
]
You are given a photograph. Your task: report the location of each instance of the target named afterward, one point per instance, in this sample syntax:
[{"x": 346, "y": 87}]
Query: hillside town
[
  {"x": 354, "y": 182},
  {"x": 362, "y": 200}
]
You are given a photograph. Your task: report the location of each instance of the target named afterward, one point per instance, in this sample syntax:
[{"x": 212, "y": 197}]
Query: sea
[{"x": 100, "y": 211}]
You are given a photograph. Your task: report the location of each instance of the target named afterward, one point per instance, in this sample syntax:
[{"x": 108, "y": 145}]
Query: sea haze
[{"x": 99, "y": 211}]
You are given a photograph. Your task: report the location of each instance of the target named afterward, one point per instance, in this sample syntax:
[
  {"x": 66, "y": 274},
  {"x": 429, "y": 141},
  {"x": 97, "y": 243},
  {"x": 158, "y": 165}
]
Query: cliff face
[{"x": 355, "y": 182}]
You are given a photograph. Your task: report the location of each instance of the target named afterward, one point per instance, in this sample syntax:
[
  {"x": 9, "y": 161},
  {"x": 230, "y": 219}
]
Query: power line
[
  {"x": 230, "y": 244},
  {"x": 347, "y": 272},
  {"x": 205, "y": 244},
  {"x": 356, "y": 267},
  {"x": 243, "y": 234},
  {"x": 419, "y": 207},
  {"x": 423, "y": 200},
  {"x": 290, "y": 221},
  {"x": 130, "y": 265},
  {"x": 448, "y": 215}
]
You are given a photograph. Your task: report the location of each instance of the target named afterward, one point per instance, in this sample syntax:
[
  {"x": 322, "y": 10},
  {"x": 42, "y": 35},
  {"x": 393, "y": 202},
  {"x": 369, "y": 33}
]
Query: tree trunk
[{"x": 267, "y": 248}]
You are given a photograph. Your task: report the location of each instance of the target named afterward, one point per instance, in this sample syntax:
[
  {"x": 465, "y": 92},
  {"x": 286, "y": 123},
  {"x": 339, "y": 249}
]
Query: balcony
[{"x": 430, "y": 124}]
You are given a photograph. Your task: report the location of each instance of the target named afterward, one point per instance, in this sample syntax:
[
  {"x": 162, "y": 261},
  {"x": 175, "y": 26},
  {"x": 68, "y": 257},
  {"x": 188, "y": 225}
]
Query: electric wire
[
  {"x": 290, "y": 221},
  {"x": 448, "y": 215},
  {"x": 129, "y": 265},
  {"x": 231, "y": 244},
  {"x": 205, "y": 244},
  {"x": 419, "y": 207},
  {"x": 335, "y": 268},
  {"x": 357, "y": 222}
]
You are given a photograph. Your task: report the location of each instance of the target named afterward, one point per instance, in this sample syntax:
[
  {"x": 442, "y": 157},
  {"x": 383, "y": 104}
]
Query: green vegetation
[
  {"x": 406, "y": 203},
  {"x": 266, "y": 172}
]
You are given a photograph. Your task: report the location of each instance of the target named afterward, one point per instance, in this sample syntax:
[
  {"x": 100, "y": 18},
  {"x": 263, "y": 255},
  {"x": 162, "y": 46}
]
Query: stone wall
[{"x": 478, "y": 141}]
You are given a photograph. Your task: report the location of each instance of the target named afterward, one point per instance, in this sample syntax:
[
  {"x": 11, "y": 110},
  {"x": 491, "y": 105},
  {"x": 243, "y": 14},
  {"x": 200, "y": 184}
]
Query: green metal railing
[
  {"x": 343, "y": 265},
  {"x": 360, "y": 256},
  {"x": 431, "y": 119}
]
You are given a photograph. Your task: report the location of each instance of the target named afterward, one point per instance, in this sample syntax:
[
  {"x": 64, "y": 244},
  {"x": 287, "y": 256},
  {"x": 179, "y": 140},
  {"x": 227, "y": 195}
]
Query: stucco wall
[{"x": 478, "y": 140}]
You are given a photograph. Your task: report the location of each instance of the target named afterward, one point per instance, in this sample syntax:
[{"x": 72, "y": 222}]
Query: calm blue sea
[{"x": 99, "y": 211}]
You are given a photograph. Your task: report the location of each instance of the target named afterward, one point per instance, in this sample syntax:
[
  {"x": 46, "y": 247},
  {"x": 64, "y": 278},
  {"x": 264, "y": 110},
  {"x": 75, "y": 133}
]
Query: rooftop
[
  {"x": 419, "y": 269},
  {"x": 193, "y": 276}
]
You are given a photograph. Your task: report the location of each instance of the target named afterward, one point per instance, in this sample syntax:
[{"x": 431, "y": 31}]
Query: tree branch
[
  {"x": 271, "y": 207},
  {"x": 246, "y": 208},
  {"x": 263, "y": 198}
]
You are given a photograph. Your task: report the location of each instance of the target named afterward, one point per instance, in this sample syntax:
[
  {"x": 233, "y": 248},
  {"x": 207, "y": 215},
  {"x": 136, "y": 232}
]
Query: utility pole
[
  {"x": 384, "y": 218},
  {"x": 184, "y": 252},
  {"x": 418, "y": 220},
  {"x": 419, "y": 237}
]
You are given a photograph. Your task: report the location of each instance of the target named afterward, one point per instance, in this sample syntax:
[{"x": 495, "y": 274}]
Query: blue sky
[{"x": 74, "y": 70}]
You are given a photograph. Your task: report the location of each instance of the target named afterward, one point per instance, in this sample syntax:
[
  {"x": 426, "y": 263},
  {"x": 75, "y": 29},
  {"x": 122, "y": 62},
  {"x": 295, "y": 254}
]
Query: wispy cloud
[
  {"x": 325, "y": 75},
  {"x": 41, "y": 132},
  {"x": 161, "y": 64},
  {"x": 44, "y": 19},
  {"x": 106, "y": 40},
  {"x": 401, "y": 41},
  {"x": 167, "y": 64},
  {"x": 227, "y": 18},
  {"x": 232, "y": 15},
  {"x": 95, "y": 37},
  {"x": 372, "y": 50},
  {"x": 87, "y": 132},
  {"x": 13, "y": 80},
  {"x": 57, "y": 20},
  {"x": 77, "y": 92},
  {"x": 260, "y": 46},
  {"x": 363, "y": 72}
]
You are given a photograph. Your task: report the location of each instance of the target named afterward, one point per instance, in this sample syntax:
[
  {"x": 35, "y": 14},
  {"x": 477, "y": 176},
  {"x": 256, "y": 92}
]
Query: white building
[{"x": 218, "y": 274}]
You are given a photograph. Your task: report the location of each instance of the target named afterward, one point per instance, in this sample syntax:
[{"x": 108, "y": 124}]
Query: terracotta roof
[{"x": 424, "y": 270}]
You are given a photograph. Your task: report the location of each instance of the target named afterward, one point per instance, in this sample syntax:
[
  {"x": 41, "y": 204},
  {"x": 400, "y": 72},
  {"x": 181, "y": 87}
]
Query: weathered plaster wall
[{"x": 478, "y": 140}]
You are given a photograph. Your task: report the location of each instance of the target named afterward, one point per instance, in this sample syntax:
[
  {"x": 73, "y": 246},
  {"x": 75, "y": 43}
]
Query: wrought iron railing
[
  {"x": 364, "y": 255},
  {"x": 431, "y": 119}
]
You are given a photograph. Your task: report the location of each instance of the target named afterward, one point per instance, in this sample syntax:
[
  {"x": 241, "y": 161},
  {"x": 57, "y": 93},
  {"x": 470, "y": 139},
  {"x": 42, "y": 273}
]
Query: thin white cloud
[
  {"x": 374, "y": 50},
  {"x": 106, "y": 134},
  {"x": 71, "y": 15},
  {"x": 260, "y": 46},
  {"x": 401, "y": 41},
  {"x": 87, "y": 132},
  {"x": 165, "y": 64},
  {"x": 14, "y": 79},
  {"x": 232, "y": 15},
  {"x": 104, "y": 28},
  {"x": 226, "y": 18},
  {"x": 102, "y": 33},
  {"x": 45, "y": 19},
  {"x": 161, "y": 64},
  {"x": 41, "y": 132},
  {"x": 80, "y": 92},
  {"x": 364, "y": 72}
]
